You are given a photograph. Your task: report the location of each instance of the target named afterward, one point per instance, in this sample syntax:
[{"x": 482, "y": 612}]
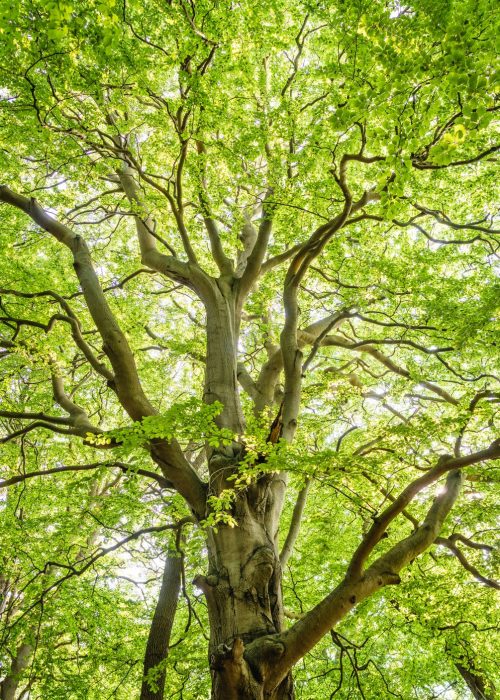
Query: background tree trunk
[
  {"x": 20, "y": 663},
  {"x": 161, "y": 627},
  {"x": 475, "y": 683}
]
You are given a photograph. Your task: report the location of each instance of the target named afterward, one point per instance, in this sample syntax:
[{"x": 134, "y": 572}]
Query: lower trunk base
[
  {"x": 243, "y": 594},
  {"x": 235, "y": 678}
]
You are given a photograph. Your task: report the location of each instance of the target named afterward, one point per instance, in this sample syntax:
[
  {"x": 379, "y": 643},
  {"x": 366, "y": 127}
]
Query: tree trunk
[
  {"x": 243, "y": 585},
  {"x": 243, "y": 593},
  {"x": 221, "y": 379},
  {"x": 462, "y": 656},
  {"x": 21, "y": 661},
  {"x": 157, "y": 646},
  {"x": 475, "y": 682}
]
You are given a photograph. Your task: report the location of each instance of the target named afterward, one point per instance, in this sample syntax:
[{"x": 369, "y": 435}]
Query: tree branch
[
  {"x": 116, "y": 346},
  {"x": 75, "y": 325},
  {"x": 125, "y": 468},
  {"x": 168, "y": 265},
  {"x": 28, "y": 415},
  {"x": 294, "y": 529},
  {"x": 128, "y": 387},
  {"x": 256, "y": 257},
  {"x": 224, "y": 264},
  {"x": 444, "y": 465},
  {"x": 450, "y": 544},
  {"x": 306, "y": 632},
  {"x": 40, "y": 424},
  {"x": 425, "y": 165},
  {"x": 339, "y": 341}
]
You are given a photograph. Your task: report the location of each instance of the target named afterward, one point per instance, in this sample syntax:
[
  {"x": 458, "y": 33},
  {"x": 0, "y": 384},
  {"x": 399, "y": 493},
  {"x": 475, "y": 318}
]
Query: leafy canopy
[{"x": 227, "y": 114}]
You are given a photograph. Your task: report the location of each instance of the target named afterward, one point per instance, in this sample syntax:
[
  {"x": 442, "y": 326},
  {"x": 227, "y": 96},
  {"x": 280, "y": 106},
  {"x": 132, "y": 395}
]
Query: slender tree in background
[{"x": 248, "y": 295}]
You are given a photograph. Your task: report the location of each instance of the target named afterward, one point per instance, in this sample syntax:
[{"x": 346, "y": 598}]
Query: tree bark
[
  {"x": 462, "y": 657},
  {"x": 221, "y": 375},
  {"x": 157, "y": 646},
  {"x": 475, "y": 682},
  {"x": 243, "y": 585},
  {"x": 243, "y": 594},
  {"x": 20, "y": 663}
]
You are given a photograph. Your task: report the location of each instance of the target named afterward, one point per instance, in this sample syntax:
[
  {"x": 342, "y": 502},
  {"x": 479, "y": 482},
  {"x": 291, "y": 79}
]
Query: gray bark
[
  {"x": 243, "y": 594},
  {"x": 243, "y": 585},
  {"x": 221, "y": 372},
  {"x": 161, "y": 627},
  {"x": 475, "y": 683},
  {"x": 20, "y": 663}
]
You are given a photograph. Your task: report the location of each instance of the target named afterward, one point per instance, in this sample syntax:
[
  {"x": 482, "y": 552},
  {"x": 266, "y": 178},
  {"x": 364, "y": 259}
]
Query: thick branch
[
  {"x": 178, "y": 214},
  {"x": 271, "y": 369},
  {"x": 407, "y": 549},
  {"x": 307, "y": 631},
  {"x": 256, "y": 257},
  {"x": 20, "y": 663},
  {"x": 444, "y": 465},
  {"x": 168, "y": 265},
  {"x": 115, "y": 343},
  {"x": 128, "y": 387},
  {"x": 246, "y": 381},
  {"x": 78, "y": 417},
  {"x": 475, "y": 680},
  {"x": 292, "y": 356}
]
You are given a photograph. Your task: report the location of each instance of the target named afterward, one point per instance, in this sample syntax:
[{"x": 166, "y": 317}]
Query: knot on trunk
[
  {"x": 263, "y": 656},
  {"x": 205, "y": 583},
  {"x": 227, "y": 654},
  {"x": 259, "y": 568},
  {"x": 244, "y": 673},
  {"x": 225, "y": 456}
]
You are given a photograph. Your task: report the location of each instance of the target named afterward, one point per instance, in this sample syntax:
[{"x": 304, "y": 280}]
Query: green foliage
[
  {"x": 84, "y": 86},
  {"x": 188, "y": 420}
]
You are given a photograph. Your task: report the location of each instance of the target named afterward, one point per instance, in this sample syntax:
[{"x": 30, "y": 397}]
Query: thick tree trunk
[
  {"x": 243, "y": 593},
  {"x": 243, "y": 585},
  {"x": 221, "y": 379},
  {"x": 159, "y": 634}
]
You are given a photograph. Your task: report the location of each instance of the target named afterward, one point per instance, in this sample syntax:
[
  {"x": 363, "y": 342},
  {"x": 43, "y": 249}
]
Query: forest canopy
[{"x": 249, "y": 349}]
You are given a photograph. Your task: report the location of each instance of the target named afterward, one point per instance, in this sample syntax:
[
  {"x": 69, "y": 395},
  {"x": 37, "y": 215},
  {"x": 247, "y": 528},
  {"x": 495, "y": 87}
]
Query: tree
[{"x": 251, "y": 253}]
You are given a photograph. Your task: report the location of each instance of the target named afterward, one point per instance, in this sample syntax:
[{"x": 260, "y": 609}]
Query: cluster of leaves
[{"x": 186, "y": 421}]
